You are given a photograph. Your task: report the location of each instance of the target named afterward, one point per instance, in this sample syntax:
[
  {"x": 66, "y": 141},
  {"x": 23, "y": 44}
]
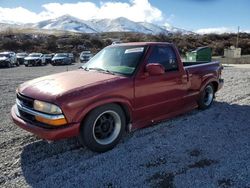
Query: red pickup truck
[{"x": 122, "y": 88}]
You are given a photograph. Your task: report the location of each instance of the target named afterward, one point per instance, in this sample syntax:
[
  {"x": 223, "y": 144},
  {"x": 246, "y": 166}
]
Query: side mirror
[{"x": 155, "y": 69}]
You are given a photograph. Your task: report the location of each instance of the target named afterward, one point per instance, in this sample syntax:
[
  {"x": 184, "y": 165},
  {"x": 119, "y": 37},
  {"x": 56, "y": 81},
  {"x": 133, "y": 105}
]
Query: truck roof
[{"x": 140, "y": 43}]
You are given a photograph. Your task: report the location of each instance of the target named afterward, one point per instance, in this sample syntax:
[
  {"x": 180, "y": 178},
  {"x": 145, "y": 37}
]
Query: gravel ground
[{"x": 208, "y": 148}]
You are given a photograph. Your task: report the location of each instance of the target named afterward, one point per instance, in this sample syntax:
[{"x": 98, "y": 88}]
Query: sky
[{"x": 201, "y": 16}]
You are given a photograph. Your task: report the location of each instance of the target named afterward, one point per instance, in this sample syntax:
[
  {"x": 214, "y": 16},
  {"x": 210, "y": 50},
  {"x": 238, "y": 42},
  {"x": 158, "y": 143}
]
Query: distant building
[{"x": 232, "y": 52}]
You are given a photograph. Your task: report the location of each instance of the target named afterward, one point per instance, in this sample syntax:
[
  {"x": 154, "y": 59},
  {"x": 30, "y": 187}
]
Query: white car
[
  {"x": 34, "y": 59},
  {"x": 85, "y": 56},
  {"x": 8, "y": 59}
]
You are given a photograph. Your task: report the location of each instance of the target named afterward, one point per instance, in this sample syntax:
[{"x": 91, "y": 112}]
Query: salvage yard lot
[{"x": 208, "y": 148}]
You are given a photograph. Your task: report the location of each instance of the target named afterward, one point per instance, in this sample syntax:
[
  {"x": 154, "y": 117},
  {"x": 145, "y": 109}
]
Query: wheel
[
  {"x": 9, "y": 65},
  {"x": 103, "y": 128},
  {"x": 17, "y": 64},
  {"x": 206, "y": 97}
]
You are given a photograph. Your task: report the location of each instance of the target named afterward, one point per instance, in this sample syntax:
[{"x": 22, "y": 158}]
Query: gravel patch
[{"x": 208, "y": 148}]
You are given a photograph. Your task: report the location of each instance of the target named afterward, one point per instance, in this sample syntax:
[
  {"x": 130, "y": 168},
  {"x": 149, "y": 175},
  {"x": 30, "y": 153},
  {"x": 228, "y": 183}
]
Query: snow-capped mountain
[
  {"x": 119, "y": 25},
  {"x": 69, "y": 23},
  {"x": 154, "y": 29},
  {"x": 65, "y": 22}
]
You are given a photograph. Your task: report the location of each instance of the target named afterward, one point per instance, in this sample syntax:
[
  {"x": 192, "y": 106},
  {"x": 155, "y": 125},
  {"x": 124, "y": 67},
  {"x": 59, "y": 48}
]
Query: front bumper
[
  {"x": 32, "y": 62},
  {"x": 20, "y": 60},
  {"x": 84, "y": 60},
  {"x": 70, "y": 130},
  {"x": 59, "y": 62},
  {"x": 4, "y": 63}
]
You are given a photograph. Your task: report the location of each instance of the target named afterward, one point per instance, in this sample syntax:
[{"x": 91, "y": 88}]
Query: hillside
[{"x": 30, "y": 40}]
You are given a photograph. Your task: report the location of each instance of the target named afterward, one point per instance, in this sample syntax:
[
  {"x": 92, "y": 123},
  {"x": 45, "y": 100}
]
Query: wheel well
[
  {"x": 124, "y": 108},
  {"x": 215, "y": 85},
  {"x": 126, "y": 112}
]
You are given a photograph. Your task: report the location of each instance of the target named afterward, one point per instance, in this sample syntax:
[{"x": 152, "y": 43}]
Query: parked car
[
  {"x": 34, "y": 59},
  {"x": 20, "y": 57},
  {"x": 8, "y": 59},
  {"x": 123, "y": 87},
  {"x": 72, "y": 57},
  {"x": 116, "y": 42},
  {"x": 48, "y": 58},
  {"x": 61, "y": 59},
  {"x": 85, "y": 56}
]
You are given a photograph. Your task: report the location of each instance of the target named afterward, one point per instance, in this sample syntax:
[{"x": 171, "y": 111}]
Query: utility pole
[{"x": 237, "y": 40}]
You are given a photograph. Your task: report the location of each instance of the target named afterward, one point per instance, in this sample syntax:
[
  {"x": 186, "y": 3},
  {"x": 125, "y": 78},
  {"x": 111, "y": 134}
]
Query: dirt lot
[{"x": 200, "y": 149}]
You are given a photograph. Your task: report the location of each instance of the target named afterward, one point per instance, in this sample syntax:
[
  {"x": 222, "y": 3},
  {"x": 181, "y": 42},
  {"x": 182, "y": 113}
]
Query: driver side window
[{"x": 165, "y": 56}]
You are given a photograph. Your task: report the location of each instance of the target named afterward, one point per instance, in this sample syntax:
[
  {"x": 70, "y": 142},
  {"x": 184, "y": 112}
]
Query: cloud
[
  {"x": 18, "y": 14},
  {"x": 136, "y": 10},
  {"x": 217, "y": 30}
]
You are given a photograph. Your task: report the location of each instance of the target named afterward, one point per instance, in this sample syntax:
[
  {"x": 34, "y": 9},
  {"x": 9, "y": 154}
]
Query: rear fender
[{"x": 207, "y": 81}]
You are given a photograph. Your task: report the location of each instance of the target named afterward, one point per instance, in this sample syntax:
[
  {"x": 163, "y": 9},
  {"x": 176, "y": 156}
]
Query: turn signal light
[{"x": 54, "y": 122}]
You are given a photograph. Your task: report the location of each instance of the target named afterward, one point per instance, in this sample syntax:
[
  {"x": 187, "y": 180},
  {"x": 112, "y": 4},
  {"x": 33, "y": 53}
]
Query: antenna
[{"x": 237, "y": 40}]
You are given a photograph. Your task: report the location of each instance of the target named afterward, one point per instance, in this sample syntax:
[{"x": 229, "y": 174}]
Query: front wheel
[
  {"x": 103, "y": 128},
  {"x": 9, "y": 65},
  {"x": 206, "y": 97}
]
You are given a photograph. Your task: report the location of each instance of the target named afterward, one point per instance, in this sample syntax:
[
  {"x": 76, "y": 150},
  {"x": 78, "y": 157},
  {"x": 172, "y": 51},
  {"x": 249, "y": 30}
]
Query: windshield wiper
[
  {"x": 101, "y": 70},
  {"x": 84, "y": 68}
]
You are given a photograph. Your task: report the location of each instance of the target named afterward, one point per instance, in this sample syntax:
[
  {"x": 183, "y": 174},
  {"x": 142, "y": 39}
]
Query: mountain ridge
[{"x": 120, "y": 24}]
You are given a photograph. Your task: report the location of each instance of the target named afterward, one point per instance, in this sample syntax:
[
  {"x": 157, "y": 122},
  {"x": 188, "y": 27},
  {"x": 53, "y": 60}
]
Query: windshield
[
  {"x": 61, "y": 55},
  {"x": 4, "y": 55},
  {"x": 117, "y": 59},
  {"x": 86, "y": 52},
  {"x": 21, "y": 54},
  {"x": 34, "y": 55}
]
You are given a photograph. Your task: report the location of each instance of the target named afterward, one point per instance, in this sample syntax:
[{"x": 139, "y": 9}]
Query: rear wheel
[
  {"x": 206, "y": 97},
  {"x": 103, "y": 128}
]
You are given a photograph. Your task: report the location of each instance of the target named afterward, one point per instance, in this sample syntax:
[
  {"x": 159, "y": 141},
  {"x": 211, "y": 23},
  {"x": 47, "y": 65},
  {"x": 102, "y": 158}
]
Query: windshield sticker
[{"x": 134, "y": 50}]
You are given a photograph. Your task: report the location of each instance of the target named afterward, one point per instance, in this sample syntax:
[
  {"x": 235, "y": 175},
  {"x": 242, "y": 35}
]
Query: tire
[
  {"x": 103, "y": 128},
  {"x": 9, "y": 65},
  {"x": 17, "y": 64},
  {"x": 206, "y": 97}
]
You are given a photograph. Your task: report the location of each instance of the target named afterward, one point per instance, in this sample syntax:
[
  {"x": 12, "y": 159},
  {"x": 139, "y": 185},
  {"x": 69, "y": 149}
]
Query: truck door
[{"x": 158, "y": 95}]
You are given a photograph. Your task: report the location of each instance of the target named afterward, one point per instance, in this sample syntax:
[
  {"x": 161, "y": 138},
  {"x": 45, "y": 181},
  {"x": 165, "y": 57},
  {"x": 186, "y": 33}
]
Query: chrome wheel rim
[
  {"x": 209, "y": 94},
  {"x": 107, "y": 127}
]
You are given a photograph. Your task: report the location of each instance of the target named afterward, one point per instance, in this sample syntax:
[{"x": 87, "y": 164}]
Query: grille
[
  {"x": 31, "y": 61},
  {"x": 28, "y": 103},
  {"x": 25, "y": 101}
]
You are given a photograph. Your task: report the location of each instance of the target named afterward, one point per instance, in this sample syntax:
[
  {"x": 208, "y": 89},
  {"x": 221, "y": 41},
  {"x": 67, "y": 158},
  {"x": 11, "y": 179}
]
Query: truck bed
[{"x": 190, "y": 63}]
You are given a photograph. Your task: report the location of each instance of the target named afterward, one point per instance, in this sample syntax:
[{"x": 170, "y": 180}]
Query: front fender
[{"x": 80, "y": 115}]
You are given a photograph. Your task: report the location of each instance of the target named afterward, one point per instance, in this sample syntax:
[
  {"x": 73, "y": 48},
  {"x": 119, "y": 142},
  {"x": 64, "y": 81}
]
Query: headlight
[{"x": 46, "y": 107}]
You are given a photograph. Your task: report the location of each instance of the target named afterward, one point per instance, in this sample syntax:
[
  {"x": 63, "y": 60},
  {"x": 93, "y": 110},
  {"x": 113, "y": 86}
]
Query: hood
[
  {"x": 3, "y": 58},
  {"x": 50, "y": 87},
  {"x": 58, "y": 58},
  {"x": 32, "y": 58},
  {"x": 20, "y": 56}
]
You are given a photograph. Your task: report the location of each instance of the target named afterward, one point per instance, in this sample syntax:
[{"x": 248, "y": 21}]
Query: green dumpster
[{"x": 200, "y": 54}]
